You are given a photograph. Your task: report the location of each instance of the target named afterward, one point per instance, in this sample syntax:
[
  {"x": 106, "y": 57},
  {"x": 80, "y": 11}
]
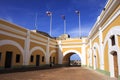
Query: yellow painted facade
[
  {"x": 14, "y": 51},
  {"x": 87, "y": 55},
  {"x": 106, "y": 63},
  {"x": 97, "y": 50},
  {"x": 37, "y": 52},
  {"x": 66, "y": 49},
  {"x": 116, "y": 22},
  {"x": 119, "y": 41}
]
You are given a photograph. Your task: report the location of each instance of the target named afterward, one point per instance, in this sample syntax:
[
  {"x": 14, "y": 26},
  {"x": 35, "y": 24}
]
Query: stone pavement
[{"x": 64, "y": 73}]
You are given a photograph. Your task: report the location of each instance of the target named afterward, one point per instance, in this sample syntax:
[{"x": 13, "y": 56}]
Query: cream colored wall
[
  {"x": 5, "y": 37},
  {"x": 98, "y": 59},
  {"x": 87, "y": 54},
  {"x": 66, "y": 49},
  {"x": 71, "y": 40},
  {"x": 32, "y": 45}
]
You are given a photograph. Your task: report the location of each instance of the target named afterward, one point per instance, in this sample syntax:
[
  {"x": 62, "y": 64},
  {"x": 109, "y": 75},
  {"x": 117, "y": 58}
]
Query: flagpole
[
  {"x": 64, "y": 26},
  {"x": 50, "y": 24},
  {"x": 79, "y": 25},
  {"x": 50, "y": 14},
  {"x": 36, "y": 21},
  {"x": 63, "y": 17}
]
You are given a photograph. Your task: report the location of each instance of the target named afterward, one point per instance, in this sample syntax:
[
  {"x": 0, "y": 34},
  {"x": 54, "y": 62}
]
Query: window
[
  {"x": 17, "y": 58},
  {"x": 0, "y": 56},
  {"x": 112, "y": 40},
  {"x": 42, "y": 58},
  {"x": 32, "y": 58}
]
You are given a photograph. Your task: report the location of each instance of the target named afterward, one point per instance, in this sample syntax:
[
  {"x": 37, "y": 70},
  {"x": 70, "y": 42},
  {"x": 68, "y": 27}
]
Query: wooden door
[{"x": 115, "y": 64}]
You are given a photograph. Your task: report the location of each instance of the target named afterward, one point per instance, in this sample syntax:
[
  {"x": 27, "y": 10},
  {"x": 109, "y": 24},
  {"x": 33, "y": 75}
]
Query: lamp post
[
  {"x": 63, "y": 17},
  {"x": 79, "y": 30},
  {"x": 50, "y": 14}
]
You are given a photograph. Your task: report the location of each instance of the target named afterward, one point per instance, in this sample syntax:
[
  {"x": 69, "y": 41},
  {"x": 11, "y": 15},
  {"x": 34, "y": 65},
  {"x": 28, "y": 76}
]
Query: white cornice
[
  {"x": 111, "y": 19},
  {"x": 110, "y": 10},
  {"x": 32, "y": 31},
  {"x": 13, "y": 24},
  {"x": 12, "y": 30},
  {"x": 72, "y": 43},
  {"x": 37, "y": 38},
  {"x": 12, "y": 35},
  {"x": 71, "y": 46},
  {"x": 106, "y": 14}
]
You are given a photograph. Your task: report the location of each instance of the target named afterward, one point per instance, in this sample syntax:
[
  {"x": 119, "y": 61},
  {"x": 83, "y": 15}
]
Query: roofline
[{"x": 105, "y": 14}]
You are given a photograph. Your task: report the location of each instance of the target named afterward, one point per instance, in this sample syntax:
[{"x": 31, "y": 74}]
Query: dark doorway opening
[
  {"x": 8, "y": 59},
  {"x": 37, "y": 60}
]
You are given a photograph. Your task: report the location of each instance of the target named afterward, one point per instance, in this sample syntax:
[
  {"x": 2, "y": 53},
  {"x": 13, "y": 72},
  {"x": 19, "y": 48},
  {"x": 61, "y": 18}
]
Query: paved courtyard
[{"x": 64, "y": 73}]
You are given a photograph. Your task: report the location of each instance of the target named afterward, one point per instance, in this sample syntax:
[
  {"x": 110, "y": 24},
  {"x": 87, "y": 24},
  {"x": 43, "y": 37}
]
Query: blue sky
[
  {"x": 22, "y": 12},
  {"x": 75, "y": 57}
]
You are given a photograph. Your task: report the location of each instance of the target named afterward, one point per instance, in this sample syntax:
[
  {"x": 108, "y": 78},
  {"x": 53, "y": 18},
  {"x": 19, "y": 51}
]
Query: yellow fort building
[{"x": 99, "y": 51}]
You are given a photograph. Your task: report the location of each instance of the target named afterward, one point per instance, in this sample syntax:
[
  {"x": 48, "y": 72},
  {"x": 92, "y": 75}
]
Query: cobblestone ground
[{"x": 64, "y": 73}]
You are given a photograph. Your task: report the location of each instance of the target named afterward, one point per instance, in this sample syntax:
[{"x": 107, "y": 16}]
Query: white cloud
[
  {"x": 73, "y": 32},
  {"x": 85, "y": 29},
  {"x": 9, "y": 19}
]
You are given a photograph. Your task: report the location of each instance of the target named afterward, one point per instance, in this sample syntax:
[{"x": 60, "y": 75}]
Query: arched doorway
[
  {"x": 37, "y": 56},
  {"x": 75, "y": 60},
  {"x": 11, "y": 54},
  {"x": 71, "y": 59},
  {"x": 53, "y": 57}
]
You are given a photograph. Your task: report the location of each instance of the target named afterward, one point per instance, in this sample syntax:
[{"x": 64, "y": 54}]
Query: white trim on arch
[
  {"x": 74, "y": 51},
  {"x": 11, "y": 42},
  {"x": 113, "y": 31},
  {"x": 37, "y": 48},
  {"x": 53, "y": 51},
  {"x": 95, "y": 45}
]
